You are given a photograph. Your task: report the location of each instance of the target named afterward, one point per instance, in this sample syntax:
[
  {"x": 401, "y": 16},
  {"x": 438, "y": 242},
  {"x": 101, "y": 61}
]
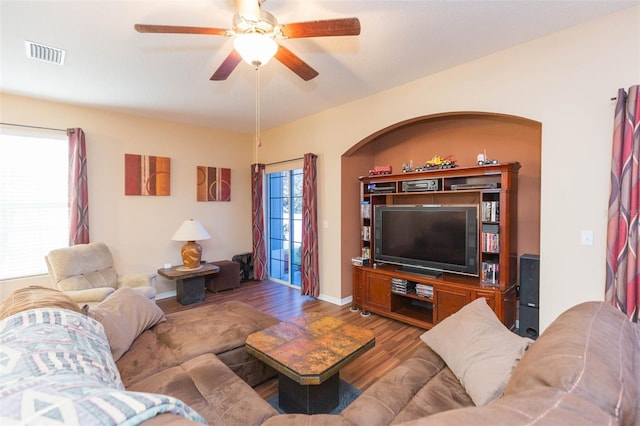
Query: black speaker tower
[{"x": 529, "y": 295}]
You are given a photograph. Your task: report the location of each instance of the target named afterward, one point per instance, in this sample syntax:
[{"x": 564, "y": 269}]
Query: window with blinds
[{"x": 34, "y": 216}]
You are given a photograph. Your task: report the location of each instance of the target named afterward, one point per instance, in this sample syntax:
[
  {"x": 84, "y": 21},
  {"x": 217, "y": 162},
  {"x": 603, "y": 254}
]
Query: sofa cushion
[
  {"x": 478, "y": 348},
  {"x": 212, "y": 389},
  {"x": 418, "y": 387},
  {"x": 214, "y": 329},
  {"x": 90, "y": 296},
  {"x": 542, "y": 407},
  {"x": 442, "y": 393},
  {"x": 587, "y": 352},
  {"x": 125, "y": 314},
  {"x": 220, "y": 329}
]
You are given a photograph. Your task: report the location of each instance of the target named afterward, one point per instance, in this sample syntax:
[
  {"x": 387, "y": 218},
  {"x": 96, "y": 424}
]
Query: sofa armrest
[
  {"x": 97, "y": 294},
  {"x": 588, "y": 352},
  {"x": 136, "y": 280}
]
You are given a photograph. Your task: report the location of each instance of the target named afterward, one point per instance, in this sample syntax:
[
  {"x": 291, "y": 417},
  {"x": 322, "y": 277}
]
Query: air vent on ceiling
[{"x": 44, "y": 53}]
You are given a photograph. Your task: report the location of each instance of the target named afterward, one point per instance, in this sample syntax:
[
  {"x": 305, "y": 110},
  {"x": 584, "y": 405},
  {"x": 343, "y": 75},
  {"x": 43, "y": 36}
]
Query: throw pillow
[
  {"x": 478, "y": 348},
  {"x": 125, "y": 314}
]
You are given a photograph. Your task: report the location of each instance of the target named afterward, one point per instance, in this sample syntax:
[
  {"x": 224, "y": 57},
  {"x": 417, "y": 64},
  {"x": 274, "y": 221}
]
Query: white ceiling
[{"x": 111, "y": 66}]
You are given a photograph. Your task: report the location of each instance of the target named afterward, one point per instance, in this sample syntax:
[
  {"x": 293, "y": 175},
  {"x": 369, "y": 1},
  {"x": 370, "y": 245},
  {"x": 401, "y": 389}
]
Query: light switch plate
[{"x": 586, "y": 237}]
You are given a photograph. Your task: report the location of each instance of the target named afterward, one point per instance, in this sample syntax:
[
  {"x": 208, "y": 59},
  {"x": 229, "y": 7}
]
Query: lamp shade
[
  {"x": 191, "y": 230},
  {"x": 256, "y": 49}
]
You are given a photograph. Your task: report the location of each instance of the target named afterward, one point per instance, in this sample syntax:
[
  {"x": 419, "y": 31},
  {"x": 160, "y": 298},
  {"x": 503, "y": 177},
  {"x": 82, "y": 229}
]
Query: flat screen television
[{"x": 427, "y": 239}]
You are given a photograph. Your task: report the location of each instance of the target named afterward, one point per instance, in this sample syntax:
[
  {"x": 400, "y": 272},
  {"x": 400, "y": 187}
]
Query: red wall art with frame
[
  {"x": 213, "y": 184},
  {"x": 147, "y": 175}
]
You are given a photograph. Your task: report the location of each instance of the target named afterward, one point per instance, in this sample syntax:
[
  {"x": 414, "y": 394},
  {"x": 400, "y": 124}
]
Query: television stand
[
  {"x": 419, "y": 271},
  {"x": 375, "y": 291}
]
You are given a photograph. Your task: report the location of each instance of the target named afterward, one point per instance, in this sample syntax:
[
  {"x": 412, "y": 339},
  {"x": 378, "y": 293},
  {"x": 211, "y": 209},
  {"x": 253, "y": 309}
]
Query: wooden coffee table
[{"x": 308, "y": 352}]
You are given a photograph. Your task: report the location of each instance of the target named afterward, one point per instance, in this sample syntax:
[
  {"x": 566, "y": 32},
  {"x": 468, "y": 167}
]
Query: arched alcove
[{"x": 462, "y": 135}]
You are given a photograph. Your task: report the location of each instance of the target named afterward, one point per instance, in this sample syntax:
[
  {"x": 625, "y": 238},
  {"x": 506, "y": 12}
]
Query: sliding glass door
[{"x": 284, "y": 223}]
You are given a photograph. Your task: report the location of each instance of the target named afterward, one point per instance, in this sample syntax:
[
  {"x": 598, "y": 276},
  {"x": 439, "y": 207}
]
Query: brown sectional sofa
[{"x": 584, "y": 369}]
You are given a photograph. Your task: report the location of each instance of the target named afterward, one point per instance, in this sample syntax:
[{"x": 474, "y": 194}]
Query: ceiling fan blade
[
  {"x": 295, "y": 64},
  {"x": 174, "y": 29},
  {"x": 324, "y": 28},
  {"x": 227, "y": 66}
]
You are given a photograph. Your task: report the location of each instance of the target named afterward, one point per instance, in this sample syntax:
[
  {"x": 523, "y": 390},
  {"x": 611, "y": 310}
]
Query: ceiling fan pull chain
[{"x": 258, "y": 141}]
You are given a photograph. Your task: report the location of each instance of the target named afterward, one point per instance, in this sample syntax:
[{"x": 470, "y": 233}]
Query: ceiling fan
[{"x": 255, "y": 30}]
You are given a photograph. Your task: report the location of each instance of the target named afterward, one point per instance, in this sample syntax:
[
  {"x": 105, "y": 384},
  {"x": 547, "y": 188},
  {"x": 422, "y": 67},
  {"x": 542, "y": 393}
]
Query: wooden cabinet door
[
  {"x": 377, "y": 292},
  {"x": 449, "y": 301},
  {"x": 357, "y": 286},
  {"x": 492, "y": 298}
]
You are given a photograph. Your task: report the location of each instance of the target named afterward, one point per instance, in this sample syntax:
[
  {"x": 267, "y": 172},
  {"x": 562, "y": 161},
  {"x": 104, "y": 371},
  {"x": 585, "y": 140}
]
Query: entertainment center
[{"x": 437, "y": 240}]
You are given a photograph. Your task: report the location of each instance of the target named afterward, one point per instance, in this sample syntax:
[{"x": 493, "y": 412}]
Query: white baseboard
[
  {"x": 336, "y": 301},
  {"x": 166, "y": 295}
]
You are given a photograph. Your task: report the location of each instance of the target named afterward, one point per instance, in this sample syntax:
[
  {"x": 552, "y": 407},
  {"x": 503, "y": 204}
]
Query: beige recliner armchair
[{"x": 85, "y": 273}]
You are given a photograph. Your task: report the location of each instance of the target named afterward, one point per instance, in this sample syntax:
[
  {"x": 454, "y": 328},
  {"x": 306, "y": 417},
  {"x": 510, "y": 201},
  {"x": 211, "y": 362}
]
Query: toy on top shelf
[
  {"x": 483, "y": 160},
  {"x": 407, "y": 167},
  {"x": 380, "y": 170},
  {"x": 438, "y": 162}
]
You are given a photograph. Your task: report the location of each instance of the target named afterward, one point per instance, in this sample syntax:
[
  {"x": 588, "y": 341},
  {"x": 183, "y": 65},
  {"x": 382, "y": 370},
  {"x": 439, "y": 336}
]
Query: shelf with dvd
[{"x": 365, "y": 232}]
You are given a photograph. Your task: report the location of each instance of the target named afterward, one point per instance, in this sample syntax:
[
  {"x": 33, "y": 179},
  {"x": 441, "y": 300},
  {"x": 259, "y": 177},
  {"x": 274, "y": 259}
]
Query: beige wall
[
  {"x": 565, "y": 81},
  {"x": 138, "y": 228}
]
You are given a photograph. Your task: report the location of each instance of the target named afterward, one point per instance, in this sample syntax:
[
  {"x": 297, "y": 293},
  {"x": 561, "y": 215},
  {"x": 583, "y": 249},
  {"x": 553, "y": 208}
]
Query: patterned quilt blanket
[{"x": 56, "y": 368}]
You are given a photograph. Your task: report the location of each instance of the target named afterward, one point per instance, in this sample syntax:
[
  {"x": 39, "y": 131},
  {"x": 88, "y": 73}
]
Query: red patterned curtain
[
  {"x": 623, "y": 265},
  {"x": 78, "y": 188},
  {"x": 260, "y": 271},
  {"x": 309, "y": 261}
]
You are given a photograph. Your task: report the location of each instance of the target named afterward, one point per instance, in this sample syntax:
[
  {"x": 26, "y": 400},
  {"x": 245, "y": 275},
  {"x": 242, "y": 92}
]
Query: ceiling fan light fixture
[{"x": 256, "y": 49}]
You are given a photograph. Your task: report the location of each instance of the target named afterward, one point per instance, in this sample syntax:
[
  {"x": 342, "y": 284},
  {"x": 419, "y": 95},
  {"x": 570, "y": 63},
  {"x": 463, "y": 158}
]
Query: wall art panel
[
  {"x": 213, "y": 184},
  {"x": 147, "y": 175}
]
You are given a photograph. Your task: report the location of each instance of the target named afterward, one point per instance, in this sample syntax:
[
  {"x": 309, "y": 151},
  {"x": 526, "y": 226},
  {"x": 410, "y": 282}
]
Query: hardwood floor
[{"x": 395, "y": 341}]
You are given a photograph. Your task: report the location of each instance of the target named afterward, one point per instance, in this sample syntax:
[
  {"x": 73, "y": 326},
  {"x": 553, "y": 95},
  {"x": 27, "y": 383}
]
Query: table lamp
[{"x": 190, "y": 231}]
